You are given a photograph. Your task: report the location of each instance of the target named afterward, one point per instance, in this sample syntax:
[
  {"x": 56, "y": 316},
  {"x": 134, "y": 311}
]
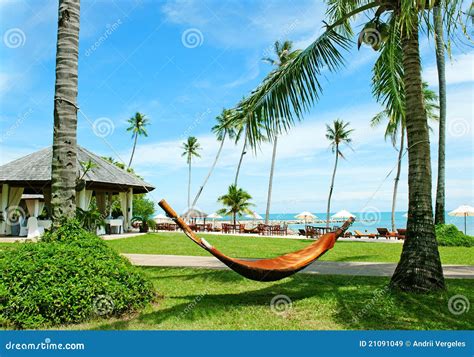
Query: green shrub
[
  {"x": 450, "y": 235},
  {"x": 68, "y": 277}
]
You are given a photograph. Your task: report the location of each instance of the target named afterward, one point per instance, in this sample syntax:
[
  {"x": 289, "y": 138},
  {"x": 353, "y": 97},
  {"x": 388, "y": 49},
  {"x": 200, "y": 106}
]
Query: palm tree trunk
[
  {"x": 419, "y": 269},
  {"x": 270, "y": 181},
  {"x": 332, "y": 186},
  {"x": 397, "y": 176},
  {"x": 64, "y": 158},
  {"x": 133, "y": 150},
  {"x": 440, "y": 188},
  {"x": 241, "y": 158},
  {"x": 210, "y": 171},
  {"x": 189, "y": 184},
  {"x": 234, "y": 219}
]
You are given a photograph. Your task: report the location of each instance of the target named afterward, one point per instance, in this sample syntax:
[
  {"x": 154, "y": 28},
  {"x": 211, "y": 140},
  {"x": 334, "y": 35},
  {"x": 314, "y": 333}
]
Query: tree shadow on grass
[
  {"x": 356, "y": 258},
  {"x": 360, "y": 303}
]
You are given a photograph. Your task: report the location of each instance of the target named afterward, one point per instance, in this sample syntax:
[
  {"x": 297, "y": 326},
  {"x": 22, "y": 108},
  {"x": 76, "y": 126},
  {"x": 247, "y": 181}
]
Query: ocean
[{"x": 368, "y": 221}]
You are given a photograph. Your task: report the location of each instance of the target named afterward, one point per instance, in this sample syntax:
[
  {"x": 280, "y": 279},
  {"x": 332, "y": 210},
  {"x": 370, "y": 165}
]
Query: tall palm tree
[
  {"x": 251, "y": 130},
  {"x": 291, "y": 91},
  {"x": 64, "y": 158},
  {"x": 191, "y": 149},
  {"x": 223, "y": 129},
  {"x": 440, "y": 62},
  {"x": 284, "y": 54},
  {"x": 236, "y": 202},
  {"x": 137, "y": 126},
  {"x": 242, "y": 154},
  {"x": 337, "y": 134},
  {"x": 396, "y": 127}
]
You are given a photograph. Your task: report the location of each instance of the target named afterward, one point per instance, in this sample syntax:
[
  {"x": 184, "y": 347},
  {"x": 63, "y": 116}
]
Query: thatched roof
[
  {"x": 34, "y": 170},
  {"x": 194, "y": 213}
]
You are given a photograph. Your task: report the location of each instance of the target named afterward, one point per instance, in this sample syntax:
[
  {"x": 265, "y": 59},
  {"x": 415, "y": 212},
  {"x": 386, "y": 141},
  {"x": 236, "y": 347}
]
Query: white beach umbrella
[
  {"x": 306, "y": 216},
  {"x": 254, "y": 215},
  {"x": 463, "y": 211},
  {"x": 342, "y": 215},
  {"x": 214, "y": 216}
]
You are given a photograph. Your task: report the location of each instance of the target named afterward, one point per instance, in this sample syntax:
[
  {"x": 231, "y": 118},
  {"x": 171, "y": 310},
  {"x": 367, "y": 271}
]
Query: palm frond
[
  {"x": 339, "y": 9},
  {"x": 387, "y": 78},
  {"x": 291, "y": 90}
]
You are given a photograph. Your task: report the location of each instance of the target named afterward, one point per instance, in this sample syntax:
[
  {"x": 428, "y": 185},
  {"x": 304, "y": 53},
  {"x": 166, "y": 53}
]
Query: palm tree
[
  {"x": 284, "y": 55},
  {"x": 191, "y": 149},
  {"x": 64, "y": 158},
  {"x": 440, "y": 187},
  {"x": 396, "y": 127},
  {"x": 236, "y": 201},
  {"x": 251, "y": 130},
  {"x": 223, "y": 129},
  {"x": 137, "y": 126},
  {"x": 337, "y": 134},
  {"x": 291, "y": 91},
  {"x": 241, "y": 158}
]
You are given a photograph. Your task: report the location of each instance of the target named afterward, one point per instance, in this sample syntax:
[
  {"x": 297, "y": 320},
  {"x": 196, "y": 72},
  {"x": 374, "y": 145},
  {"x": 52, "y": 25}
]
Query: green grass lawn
[
  {"x": 253, "y": 247},
  {"x": 5, "y": 246},
  {"x": 210, "y": 299}
]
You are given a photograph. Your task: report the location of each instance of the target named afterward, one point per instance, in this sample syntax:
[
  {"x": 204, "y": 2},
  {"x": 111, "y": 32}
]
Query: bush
[
  {"x": 68, "y": 277},
  {"x": 450, "y": 235}
]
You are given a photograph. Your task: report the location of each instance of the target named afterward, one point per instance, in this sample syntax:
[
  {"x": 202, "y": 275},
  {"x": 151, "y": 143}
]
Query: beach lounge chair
[
  {"x": 383, "y": 232},
  {"x": 359, "y": 234},
  {"x": 402, "y": 232}
]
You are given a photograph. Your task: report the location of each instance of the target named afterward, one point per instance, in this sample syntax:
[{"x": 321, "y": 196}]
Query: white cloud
[
  {"x": 459, "y": 70},
  {"x": 227, "y": 23},
  {"x": 304, "y": 141}
]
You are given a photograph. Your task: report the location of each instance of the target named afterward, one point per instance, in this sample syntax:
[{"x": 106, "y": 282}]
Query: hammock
[{"x": 265, "y": 269}]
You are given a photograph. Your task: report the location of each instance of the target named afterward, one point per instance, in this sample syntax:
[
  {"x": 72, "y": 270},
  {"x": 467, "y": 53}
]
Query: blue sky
[{"x": 140, "y": 56}]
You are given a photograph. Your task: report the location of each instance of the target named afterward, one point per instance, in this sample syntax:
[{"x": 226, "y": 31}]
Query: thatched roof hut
[{"x": 31, "y": 174}]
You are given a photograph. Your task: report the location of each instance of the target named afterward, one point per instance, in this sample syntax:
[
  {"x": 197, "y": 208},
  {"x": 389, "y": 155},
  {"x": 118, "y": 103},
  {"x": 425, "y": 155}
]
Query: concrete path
[{"x": 318, "y": 267}]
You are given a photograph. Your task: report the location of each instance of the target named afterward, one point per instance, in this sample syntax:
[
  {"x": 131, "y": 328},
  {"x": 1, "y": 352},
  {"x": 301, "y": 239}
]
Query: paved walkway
[{"x": 318, "y": 267}]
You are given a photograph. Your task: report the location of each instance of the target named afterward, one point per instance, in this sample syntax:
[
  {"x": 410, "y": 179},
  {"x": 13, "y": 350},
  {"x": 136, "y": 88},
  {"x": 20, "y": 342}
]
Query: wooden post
[{"x": 3, "y": 208}]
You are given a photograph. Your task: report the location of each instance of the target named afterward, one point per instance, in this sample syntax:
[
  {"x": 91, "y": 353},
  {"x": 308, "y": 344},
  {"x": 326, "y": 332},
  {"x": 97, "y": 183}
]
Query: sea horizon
[{"x": 366, "y": 221}]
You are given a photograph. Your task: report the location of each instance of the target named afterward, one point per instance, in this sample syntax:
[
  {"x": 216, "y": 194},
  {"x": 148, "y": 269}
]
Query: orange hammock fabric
[{"x": 265, "y": 269}]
